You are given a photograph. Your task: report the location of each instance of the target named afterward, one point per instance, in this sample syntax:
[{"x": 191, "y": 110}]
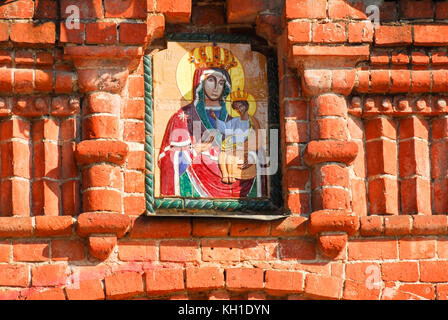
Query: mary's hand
[{"x": 200, "y": 147}]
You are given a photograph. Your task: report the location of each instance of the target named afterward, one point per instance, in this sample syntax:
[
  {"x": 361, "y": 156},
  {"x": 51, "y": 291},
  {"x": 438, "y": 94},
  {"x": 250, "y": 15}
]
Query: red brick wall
[{"x": 364, "y": 122}]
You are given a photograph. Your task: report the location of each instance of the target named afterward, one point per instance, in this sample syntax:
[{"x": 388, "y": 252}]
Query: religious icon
[{"x": 210, "y": 119}]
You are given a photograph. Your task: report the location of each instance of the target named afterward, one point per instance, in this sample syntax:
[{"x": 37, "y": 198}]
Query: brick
[
  {"x": 397, "y": 225},
  {"x": 416, "y": 248},
  {"x": 299, "y": 32},
  {"x": 416, "y": 9},
  {"x": 101, "y": 126},
  {"x": 363, "y": 272},
  {"x": 383, "y": 196},
  {"x": 307, "y": 9},
  {"x": 31, "y": 251},
  {"x": 329, "y": 33},
  {"x": 137, "y": 251},
  {"x": 16, "y": 227},
  {"x": 290, "y": 226},
  {"x": 412, "y": 160},
  {"x": 160, "y": 281},
  {"x": 401, "y": 271},
  {"x": 421, "y": 81},
  {"x": 220, "y": 250},
  {"x": 380, "y": 81},
  {"x": 360, "y": 32},
  {"x": 14, "y": 275},
  {"x": 330, "y": 198},
  {"x": 46, "y": 9},
  {"x": 419, "y": 290},
  {"x": 210, "y": 15},
  {"x": 46, "y": 198},
  {"x": 135, "y": 109},
  {"x": 6, "y": 80},
  {"x": 73, "y": 35},
  {"x": 295, "y": 110},
  {"x": 416, "y": 196},
  {"x": 393, "y": 35},
  {"x": 425, "y": 225},
  {"x": 279, "y": 282},
  {"x": 359, "y": 196},
  {"x": 135, "y": 9},
  {"x": 23, "y": 81},
  {"x": 330, "y": 175},
  {"x": 244, "y": 278},
  {"x": 339, "y": 9},
  {"x": 15, "y": 128},
  {"x": 29, "y": 33},
  {"x": 50, "y": 294},
  {"x": 134, "y": 205},
  {"x": 329, "y": 128},
  {"x": 442, "y": 291},
  {"x": 134, "y": 131},
  {"x": 210, "y": 228},
  {"x": 323, "y": 287},
  {"x": 21, "y": 9},
  {"x": 442, "y": 248},
  {"x": 102, "y": 200},
  {"x": 249, "y": 229},
  {"x": 136, "y": 87},
  {"x": 354, "y": 290},
  {"x": 297, "y": 179},
  {"x": 49, "y": 275},
  {"x": 433, "y": 271},
  {"x": 259, "y": 250},
  {"x": 102, "y": 175},
  {"x": 67, "y": 250},
  {"x": 101, "y": 33},
  {"x": 236, "y": 13},
  {"x": 297, "y": 249},
  {"x": 102, "y": 222},
  {"x": 162, "y": 228},
  {"x": 204, "y": 278},
  {"x": 14, "y": 200},
  {"x": 9, "y": 294},
  {"x": 5, "y": 251},
  {"x": 371, "y": 226},
  {"x": 299, "y": 203},
  {"x": 44, "y": 80},
  {"x": 175, "y": 11},
  {"x": 400, "y": 81},
  {"x": 179, "y": 251},
  {"x": 69, "y": 168},
  {"x": 372, "y": 249},
  {"x": 133, "y": 33},
  {"x": 134, "y": 182},
  {"x": 86, "y": 290},
  {"x": 87, "y": 9},
  {"x": 70, "y": 198},
  {"x": 400, "y": 58},
  {"x": 46, "y": 160},
  {"x": 123, "y": 285},
  {"x": 430, "y": 35}
]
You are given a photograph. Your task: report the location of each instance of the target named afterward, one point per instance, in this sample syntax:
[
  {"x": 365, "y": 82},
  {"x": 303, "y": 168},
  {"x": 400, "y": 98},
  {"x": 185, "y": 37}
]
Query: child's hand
[{"x": 213, "y": 115}]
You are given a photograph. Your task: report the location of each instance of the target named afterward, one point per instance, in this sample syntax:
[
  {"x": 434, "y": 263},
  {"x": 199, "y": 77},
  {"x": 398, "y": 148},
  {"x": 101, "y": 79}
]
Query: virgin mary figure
[{"x": 188, "y": 158}]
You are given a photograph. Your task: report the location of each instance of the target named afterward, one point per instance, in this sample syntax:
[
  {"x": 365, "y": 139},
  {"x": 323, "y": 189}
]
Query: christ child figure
[{"x": 233, "y": 158}]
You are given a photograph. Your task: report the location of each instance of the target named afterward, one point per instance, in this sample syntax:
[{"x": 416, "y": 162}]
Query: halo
[
  {"x": 252, "y": 106},
  {"x": 185, "y": 74}
]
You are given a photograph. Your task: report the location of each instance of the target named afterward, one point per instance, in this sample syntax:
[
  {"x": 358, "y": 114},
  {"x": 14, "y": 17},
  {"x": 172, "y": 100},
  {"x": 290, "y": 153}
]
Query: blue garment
[{"x": 235, "y": 130}]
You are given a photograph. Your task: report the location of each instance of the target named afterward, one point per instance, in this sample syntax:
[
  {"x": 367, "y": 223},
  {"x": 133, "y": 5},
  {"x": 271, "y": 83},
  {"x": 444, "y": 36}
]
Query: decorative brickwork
[{"x": 363, "y": 124}]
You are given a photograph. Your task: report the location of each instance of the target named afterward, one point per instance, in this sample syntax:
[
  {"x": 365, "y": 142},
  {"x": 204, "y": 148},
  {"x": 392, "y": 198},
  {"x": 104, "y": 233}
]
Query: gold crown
[
  {"x": 212, "y": 57},
  {"x": 239, "y": 95}
]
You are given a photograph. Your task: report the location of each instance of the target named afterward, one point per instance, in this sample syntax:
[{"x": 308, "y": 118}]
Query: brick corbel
[
  {"x": 328, "y": 76},
  {"x": 102, "y": 75}
]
